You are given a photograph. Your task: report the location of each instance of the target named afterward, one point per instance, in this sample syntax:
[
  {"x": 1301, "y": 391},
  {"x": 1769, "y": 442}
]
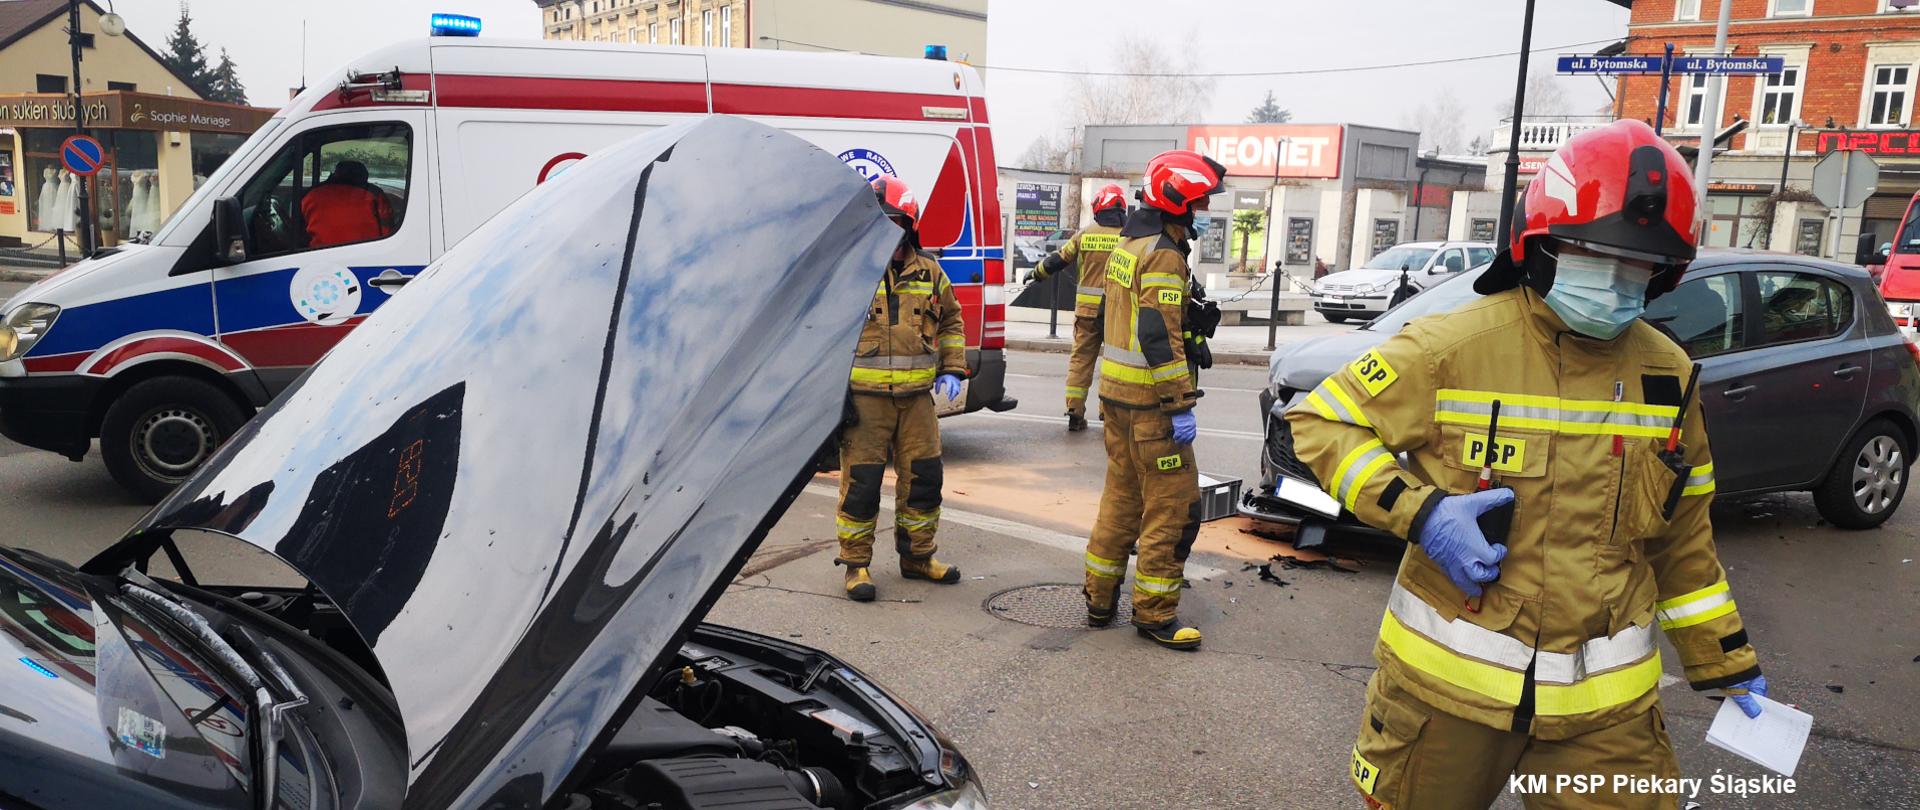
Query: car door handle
[
  {"x": 1740, "y": 392},
  {"x": 390, "y": 278},
  {"x": 1846, "y": 372}
]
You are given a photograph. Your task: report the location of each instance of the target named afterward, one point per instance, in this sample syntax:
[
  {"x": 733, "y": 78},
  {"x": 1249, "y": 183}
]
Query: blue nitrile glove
[
  {"x": 1184, "y": 428},
  {"x": 1452, "y": 538},
  {"x": 947, "y": 385},
  {"x": 1742, "y": 695}
]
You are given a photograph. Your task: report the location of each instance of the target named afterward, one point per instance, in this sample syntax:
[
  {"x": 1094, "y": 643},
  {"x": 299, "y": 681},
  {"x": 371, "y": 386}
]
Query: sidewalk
[{"x": 1027, "y": 331}]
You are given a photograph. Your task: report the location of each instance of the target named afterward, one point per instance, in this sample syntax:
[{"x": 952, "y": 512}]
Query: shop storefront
[{"x": 158, "y": 150}]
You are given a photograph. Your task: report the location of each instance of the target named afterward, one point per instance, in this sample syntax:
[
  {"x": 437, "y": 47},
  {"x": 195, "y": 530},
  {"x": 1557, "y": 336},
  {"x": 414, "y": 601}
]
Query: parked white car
[{"x": 1364, "y": 293}]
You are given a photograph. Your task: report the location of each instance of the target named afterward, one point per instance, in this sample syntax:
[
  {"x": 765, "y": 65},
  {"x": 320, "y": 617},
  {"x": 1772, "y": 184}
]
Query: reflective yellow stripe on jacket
[
  {"x": 1130, "y": 366},
  {"x": 1604, "y": 672},
  {"x": 1575, "y": 416},
  {"x": 1699, "y": 607},
  {"x": 894, "y": 369}
]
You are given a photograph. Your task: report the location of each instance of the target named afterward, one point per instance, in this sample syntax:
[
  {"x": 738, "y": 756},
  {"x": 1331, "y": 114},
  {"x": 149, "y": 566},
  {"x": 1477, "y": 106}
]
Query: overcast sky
[{"x": 1233, "y": 35}]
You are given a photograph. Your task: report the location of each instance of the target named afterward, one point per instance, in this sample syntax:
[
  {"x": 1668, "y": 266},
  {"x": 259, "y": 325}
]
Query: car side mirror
[{"x": 229, "y": 230}]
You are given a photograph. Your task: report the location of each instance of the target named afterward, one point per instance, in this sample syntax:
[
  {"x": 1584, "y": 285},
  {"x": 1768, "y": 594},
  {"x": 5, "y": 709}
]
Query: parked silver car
[
  {"x": 1367, "y": 291},
  {"x": 1806, "y": 382}
]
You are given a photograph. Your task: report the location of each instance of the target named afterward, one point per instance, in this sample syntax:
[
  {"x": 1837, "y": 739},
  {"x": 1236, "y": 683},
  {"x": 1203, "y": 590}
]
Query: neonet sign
[
  {"x": 1254, "y": 150},
  {"x": 1869, "y": 141}
]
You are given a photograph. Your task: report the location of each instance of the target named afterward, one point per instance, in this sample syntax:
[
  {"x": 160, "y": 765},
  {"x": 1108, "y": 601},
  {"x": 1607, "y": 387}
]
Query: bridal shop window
[
  {"x": 46, "y": 183},
  {"x": 361, "y": 172},
  {"x": 128, "y": 187}
]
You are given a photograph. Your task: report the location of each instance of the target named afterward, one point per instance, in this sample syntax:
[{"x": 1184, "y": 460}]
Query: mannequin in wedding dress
[{"x": 48, "y": 204}]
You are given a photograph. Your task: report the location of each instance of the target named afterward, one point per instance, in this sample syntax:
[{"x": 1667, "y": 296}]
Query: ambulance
[{"x": 162, "y": 350}]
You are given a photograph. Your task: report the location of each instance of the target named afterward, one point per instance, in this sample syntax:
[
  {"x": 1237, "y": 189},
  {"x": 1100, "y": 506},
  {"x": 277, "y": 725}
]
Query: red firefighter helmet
[
  {"x": 1177, "y": 177},
  {"x": 1620, "y": 190},
  {"x": 897, "y": 200},
  {"x": 1110, "y": 195}
]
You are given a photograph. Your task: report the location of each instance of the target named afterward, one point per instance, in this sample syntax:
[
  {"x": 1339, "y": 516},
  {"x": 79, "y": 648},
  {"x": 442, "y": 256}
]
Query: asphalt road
[{"x": 1264, "y": 715}]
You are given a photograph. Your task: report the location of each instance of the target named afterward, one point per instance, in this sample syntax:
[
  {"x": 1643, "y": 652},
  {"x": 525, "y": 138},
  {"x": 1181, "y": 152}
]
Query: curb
[
  {"x": 1062, "y": 347},
  {"x": 22, "y": 274}
]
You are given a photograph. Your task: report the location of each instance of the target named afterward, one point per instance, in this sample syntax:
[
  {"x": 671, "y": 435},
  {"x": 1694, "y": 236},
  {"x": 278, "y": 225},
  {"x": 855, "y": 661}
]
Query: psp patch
[
  {"x": 868, "y": 163},
  {"x": 1373, "y": 372},
  {"x": 1364, "y": 774},
  {"x": 1170, "y": 297},
  {"x": 1509, "y": 455},
  {"x": 1120, "y": 266},
  {"x": 1167, "y": 463}
]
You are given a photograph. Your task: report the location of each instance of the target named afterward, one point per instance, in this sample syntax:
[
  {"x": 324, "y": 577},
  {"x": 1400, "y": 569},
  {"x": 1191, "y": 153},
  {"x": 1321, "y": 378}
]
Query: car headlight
[
  {"x": 24, "y": 326},
  {"x": 968, "y": 796}
]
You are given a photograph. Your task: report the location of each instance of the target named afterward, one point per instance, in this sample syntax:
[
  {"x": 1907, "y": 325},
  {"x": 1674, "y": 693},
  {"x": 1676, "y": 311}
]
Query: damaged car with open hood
[{"x": 506, "y": 501}]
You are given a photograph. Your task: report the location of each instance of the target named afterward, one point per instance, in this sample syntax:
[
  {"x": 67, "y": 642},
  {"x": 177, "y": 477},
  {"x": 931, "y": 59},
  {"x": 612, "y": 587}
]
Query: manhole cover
[{"x": 1051, "y": 604}]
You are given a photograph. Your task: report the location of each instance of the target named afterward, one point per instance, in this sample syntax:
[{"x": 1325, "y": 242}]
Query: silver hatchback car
[{"x": 1807, "y": 385}]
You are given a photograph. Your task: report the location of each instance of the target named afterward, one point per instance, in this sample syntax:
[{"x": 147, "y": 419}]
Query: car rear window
[{"x": 1798, "y": 306}]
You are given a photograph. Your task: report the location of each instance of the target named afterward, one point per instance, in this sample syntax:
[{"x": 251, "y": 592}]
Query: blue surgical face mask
[
  {"x": 1597, "y": 296},
  {"x": 1200, "y": 226}
]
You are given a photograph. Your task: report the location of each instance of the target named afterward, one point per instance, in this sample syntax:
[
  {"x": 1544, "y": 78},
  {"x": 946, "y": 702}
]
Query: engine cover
[{"x": 702, "y": 783}]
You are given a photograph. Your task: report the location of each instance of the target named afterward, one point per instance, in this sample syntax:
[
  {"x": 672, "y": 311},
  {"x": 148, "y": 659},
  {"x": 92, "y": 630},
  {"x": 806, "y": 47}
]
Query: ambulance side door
[{"x": 315, "y": 267}]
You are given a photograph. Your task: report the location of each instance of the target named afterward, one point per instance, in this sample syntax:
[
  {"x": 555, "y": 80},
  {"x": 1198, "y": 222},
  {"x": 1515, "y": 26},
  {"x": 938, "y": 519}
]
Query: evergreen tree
[
  {"x": 186, "y": 57},
  {"x": 1269, "y": 112},
  {"x": 223, "y": 83}
]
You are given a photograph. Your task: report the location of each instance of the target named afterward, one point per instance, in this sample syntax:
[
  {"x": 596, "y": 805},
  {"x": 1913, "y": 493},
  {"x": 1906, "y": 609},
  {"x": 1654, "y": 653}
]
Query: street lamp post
[
  {"x": 1786, "y": 162},
  {"x": 85, "y": 218},
  {"x": 1273, "y": 220}
]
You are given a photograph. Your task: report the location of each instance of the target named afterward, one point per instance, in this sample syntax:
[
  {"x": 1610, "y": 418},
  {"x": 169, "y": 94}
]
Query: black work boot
[
  {"x": 1171, "y": 634},
  {"x": 1101, "y": 615},
  {"x": 1076, "y": 422}
]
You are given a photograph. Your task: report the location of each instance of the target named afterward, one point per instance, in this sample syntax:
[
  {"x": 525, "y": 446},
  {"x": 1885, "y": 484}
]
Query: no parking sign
[{"x": 82, "y": 155}]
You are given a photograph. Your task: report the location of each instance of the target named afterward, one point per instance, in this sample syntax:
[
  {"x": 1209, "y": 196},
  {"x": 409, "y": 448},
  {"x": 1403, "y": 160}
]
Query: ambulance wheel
[
  {"x": 160, "y": 430},
  {"x": 1868, "y": 480}
]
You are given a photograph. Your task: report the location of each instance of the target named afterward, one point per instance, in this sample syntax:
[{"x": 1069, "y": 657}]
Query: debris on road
[
  {"x": 1266, "y": 573},
  {"x": 1299, "y": 564},
  {"x": 1836, "y": 688}
]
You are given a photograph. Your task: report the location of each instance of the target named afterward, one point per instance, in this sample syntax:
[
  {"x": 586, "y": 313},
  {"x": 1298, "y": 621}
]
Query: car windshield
[
  {"x": 1441, "y": 297},
  {"x": 1399, "y": 257}
]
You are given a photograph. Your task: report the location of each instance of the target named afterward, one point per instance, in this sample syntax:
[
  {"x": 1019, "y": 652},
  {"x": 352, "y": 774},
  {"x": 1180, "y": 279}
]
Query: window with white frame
[
  {"x": 673, "y": 31},
  {"x": 1780, "y": 96},
  {"x": 1790, "y": 8},
  {"x": 1693, "y": 108},
  {"x": 1887, "y": 6},
  {"x": 653, "y": 33},
  {"x": 633, "y": 33},
  {"x": 1887, "y": 96},
  {"x": 726, "y": 26},
  {"x": 1686, "y": 10},
  {"x": 706, "y": 28}
]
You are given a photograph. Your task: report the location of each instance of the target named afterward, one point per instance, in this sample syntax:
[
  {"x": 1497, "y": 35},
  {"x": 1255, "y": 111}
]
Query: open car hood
[{"x": 528, "y": 476}]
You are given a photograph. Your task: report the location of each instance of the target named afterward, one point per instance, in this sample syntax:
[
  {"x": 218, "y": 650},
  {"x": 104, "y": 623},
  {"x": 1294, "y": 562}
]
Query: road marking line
[
  {"x": 1024, "y": 531},
  {"x": 1225, "y": 434}
]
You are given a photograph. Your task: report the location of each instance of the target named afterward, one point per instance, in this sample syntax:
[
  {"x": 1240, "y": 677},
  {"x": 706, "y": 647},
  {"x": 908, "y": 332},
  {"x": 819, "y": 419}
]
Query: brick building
[
  {"x": 1851, "y": 67},
  {"x": 885, "y": 27}
]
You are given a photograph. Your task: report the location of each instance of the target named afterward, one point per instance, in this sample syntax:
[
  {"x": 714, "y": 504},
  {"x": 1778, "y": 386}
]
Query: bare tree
[
  {"x": 1440, "y": 120},
  {"x": 1545, "y": 96},
  {"x": 1049, "y": 153},
  {"x": 1132, "y": 98}
]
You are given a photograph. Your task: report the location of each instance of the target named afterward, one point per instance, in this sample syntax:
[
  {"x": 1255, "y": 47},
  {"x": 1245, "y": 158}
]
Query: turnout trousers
[
  {"x": 1151, "y": 503},
  {"x": 1412, "y": 755},
  {"x": 1086, "y": 351},
  {"x": 907, "y": 427}
]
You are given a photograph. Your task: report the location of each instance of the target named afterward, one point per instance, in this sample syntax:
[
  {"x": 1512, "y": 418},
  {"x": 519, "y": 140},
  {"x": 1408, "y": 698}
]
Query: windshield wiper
[{"x": 266, "y": 712}]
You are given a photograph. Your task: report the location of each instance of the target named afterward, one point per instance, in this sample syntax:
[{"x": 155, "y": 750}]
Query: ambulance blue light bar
[
  {"x": 455, "y": 25},
  {"x": 937, "y": 52}
]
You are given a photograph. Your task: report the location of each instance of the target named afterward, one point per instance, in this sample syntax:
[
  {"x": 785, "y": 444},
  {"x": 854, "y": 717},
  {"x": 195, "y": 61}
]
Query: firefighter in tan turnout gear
[
  {"x": 1532, "y": 650},
  {"x": 1151, "y": 501},
  {"x": 1088, "y": 249},
  {"x": 913, "y": 343}
]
